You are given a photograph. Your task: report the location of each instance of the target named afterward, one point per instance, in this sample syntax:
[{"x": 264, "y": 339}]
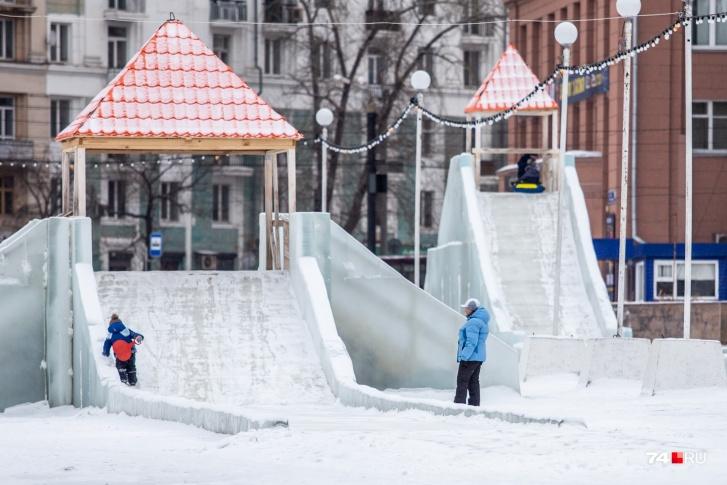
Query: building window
[
  {"x": 666, "y": 279},
  {"x": 323, "y": 60},
  {"x": 221, "y": 203},
  {"x": 7, "y": 118},
  {"x": 425, "y": 7},
  {"x": 116, "y": 206},
  {"x": 425, "y": 61},
  {"x": 117, "y": 47},
  {"x": 58, "y": 41},
  {"x": 377, "y": 66},
  {"x": 221, "y": 47},
  {"x": 6, "y": 195},
  {"x": 234, "y": 11},
  {"x": 120, "y": 261},
  {"x": 427, "y": 136},
  {"x": 170, "y": 201},
  {"x": 472, "y": 68},
  {"x": 471, "y": 11},
  {"x": 273, "y": 51},
  {"x": 60, "y": 115},
  {"x": 709, "y": 125},
  {"x": 712, "y": 34},
  {"x": 639, "y": 281},
  {"x": 7, "y": 38},
  {"x": 427, "y": 208}
]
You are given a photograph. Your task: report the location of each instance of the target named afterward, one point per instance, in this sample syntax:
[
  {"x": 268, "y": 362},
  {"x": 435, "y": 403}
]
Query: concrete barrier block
[
  {"x": 684, "y": 364},
  {"x": 551, "y": 355},
  {"x": 614, "y": 358}
]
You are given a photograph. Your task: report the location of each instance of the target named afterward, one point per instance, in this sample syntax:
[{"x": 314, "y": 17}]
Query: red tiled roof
[
  {"x": 177, "y": 87},
  {"x": 509, "y": 82}
]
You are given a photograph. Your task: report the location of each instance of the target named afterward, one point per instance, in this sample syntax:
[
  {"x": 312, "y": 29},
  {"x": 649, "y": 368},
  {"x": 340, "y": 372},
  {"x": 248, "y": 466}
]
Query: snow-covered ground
[{"x": 329, "y": 443}]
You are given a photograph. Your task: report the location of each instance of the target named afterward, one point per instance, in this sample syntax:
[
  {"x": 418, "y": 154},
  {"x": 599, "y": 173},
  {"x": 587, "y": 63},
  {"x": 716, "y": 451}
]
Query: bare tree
[
  {"x": 146, "y": 189},
  {"x": 43, "y": 189},
  {"x": 404, "y": 35}
]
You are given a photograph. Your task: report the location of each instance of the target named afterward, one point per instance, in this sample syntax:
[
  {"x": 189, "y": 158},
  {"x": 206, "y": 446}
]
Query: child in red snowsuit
[{"x": 123, "y": 341}]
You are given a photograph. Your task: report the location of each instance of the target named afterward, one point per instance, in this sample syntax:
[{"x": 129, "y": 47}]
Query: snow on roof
[
  {"x": 509, "y": 81},
  {"x": 175, "y": 86}
]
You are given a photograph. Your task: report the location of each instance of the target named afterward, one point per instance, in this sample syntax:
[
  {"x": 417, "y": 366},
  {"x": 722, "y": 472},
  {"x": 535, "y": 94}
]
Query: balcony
[
  {"x": 125, "y": 9},
  {"x": 16, "y": 6},
  {"x": 379, "y": 16},
  {"x": 282, "y": 12},
  {"x": 16, "y": 150},
  {"x": 228, "y": 11}
]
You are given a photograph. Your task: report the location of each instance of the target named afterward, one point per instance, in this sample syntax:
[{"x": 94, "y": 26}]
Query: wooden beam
[
  {"x": 291, "y": 181},
  {"x": 509, "y": 151},
  {"x": 468, "y": 135},
  {"x": 276, "y": 215},
  {"x": 212, "y": 146},
  {"x": 65, "y": 182},
  {"x": 269, "y": 209},
  {"x": 79, "y": 175}
]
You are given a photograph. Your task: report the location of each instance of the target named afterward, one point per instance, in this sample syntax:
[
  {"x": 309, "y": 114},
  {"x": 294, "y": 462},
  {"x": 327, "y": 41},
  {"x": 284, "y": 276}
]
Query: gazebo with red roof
[
  {"x": 510, "y": 81},
  {"x": 175, "y": 96}
]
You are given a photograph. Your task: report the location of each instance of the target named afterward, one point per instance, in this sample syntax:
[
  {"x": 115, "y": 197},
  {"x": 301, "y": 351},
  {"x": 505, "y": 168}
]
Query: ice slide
[
  {"x": 224, "y": 337},
  {"x": 501, "y": 247}
]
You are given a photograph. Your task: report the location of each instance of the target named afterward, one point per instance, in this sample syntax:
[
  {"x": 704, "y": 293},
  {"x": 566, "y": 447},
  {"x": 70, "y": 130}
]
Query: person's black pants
[
  {"x": 468, "y": 379},
  {"x": 127, "y": 370}
]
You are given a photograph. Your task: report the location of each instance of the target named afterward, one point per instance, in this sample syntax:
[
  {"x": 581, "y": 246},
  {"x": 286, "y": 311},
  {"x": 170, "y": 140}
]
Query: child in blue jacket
[{"x": 123, "y": 340}]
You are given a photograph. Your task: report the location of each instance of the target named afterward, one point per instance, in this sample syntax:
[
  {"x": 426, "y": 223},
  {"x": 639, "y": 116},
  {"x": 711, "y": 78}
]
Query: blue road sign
[{"x": 155, "y": 245}]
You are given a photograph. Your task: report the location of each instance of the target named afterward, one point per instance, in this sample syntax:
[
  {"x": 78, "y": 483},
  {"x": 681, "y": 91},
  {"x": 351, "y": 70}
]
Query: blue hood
[{"x": 118, "y": 327}]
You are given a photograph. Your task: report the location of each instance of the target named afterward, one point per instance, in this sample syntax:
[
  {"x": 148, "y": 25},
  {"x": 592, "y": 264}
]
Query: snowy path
[
  {"x": 229, "y": 337},
  {"x": 523, "y": 230},
  {"x": 331, "y": 444}
]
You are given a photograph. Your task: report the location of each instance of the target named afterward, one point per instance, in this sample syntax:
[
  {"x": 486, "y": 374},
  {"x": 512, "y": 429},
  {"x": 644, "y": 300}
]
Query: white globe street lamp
[
  {"x": 324, "y": 117},
  {"x": 566, "y": 34},
  {"x": 628, "y": 9},
  {"x": 420, "y": 81}
]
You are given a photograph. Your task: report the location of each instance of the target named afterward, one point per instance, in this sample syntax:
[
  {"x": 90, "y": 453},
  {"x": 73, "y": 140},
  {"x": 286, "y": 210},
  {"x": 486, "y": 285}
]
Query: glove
[
  {"x": 104, "y": 354},
  {"x": 138, "y": 339}
]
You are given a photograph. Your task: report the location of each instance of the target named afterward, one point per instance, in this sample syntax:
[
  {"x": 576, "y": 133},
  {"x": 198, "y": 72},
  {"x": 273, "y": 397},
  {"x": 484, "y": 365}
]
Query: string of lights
[
  {"x": 622, "y": 55},
  {"x": 559, "y": 70}
]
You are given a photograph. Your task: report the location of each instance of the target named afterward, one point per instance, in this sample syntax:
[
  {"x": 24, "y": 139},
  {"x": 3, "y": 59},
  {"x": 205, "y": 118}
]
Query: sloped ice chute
[{"x": 500, "y": 248}]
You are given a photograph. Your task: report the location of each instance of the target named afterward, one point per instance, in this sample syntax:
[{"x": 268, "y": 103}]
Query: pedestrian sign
[{"x": 155, "y": 245}]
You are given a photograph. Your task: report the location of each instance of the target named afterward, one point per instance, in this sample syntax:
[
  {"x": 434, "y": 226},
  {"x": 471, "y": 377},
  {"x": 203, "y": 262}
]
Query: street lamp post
[
  {"x": 324, "y": 117},
  {"x": 420, "y": 81},
  {"x": 566, "y": 34},
  {"x": 688, "y": 138},
  {"x": 628, "y": 9}
]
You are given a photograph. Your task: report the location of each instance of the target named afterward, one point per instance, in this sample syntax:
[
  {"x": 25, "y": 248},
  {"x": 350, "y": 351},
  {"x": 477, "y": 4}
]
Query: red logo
[{"x": 677, "y": 457}]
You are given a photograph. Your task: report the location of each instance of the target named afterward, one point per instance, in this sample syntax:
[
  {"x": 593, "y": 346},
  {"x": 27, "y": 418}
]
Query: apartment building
[{"x": 64, "y": 52}]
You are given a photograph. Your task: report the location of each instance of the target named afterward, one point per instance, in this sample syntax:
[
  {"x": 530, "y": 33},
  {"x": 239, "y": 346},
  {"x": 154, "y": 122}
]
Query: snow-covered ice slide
[
  {"x": 500, "y": 247},
  {"x": 228, "y": 337},
  {"x": 522, "y": 230}
]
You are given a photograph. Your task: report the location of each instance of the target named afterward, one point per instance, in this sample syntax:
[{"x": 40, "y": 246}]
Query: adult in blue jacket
[{"x": 471, "y": 352}]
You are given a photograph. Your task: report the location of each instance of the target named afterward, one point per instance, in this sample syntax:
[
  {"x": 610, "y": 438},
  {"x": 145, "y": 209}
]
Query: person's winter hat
[{"x": 471, "y": 304}]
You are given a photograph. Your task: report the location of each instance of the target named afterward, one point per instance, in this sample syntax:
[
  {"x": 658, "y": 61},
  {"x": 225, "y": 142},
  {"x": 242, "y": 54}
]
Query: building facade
[
  {"x": 56, "y": 55},
  {"x": 657, "y": 183}
]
